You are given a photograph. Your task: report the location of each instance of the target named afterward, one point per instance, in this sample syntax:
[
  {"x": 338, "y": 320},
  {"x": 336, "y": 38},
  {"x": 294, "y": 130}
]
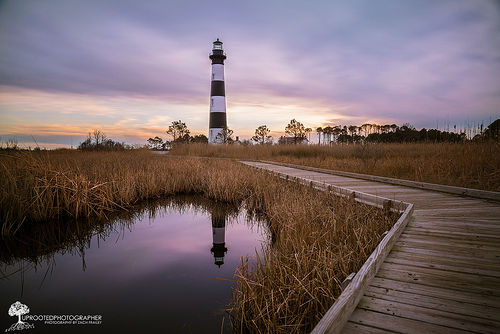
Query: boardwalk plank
[
  {"x": 466, "y": 239},
  {"x": 443, "y": 211},
  {"x": 438, "y": 262},
  {"x": 458, "y": 233},
  {"x": 484, "y": 223},
  {"x": 480, "y": 223},
  {"x": 464, "y": 296},
  {"x": 424, "y": 237},
  {"x": 433, "y": 315},
  {"x": 398, "y": 324},
  {"x": 480, "y": 257},
  {"x": 356, "y": 328},
  {"x": 450, "y": 306},
  {"x": 486, "y": 286},
  {"x": 457, "y": 247}
]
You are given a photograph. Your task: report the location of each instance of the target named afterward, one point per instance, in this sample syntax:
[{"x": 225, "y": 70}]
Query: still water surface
[{"x": 162, "y": 272}]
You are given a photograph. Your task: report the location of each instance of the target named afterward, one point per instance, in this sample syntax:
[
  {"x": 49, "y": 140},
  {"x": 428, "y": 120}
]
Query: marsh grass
[
  {"x": 470, "y": 164},
  {"x": 316, "y": 239},
  {"x": 38, "y": 187},
  {"x": 319, "y": 240}
]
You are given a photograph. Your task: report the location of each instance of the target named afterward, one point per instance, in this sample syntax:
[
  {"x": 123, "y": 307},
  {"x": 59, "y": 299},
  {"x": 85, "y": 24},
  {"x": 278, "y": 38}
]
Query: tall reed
[{"x": 470, "y": 165}]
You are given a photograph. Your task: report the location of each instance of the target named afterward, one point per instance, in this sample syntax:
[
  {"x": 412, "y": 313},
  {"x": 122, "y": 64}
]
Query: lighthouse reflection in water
[{"x": 219, "y": 239}]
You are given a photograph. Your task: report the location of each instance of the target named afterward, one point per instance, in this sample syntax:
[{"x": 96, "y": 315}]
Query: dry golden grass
[
  {"x": 470, "y": 165},
  {"x": 317, "y": 239},
  {"x": 47, "y": 186}
]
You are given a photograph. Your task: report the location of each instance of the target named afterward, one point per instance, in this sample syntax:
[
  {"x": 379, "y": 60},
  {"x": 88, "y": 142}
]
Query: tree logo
[{"x": 19, "y": 309}]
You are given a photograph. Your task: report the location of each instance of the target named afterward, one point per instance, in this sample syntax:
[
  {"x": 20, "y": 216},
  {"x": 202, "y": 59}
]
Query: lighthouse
[{"x": 217, "y": 93}]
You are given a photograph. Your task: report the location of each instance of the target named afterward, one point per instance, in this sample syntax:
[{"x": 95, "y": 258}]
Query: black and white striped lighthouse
[{"x": 217, "y": 93}]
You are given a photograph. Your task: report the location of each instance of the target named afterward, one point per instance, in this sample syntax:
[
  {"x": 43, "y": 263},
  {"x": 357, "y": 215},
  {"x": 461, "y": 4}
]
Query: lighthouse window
[
  {"x": 217, "y": 46},
  {"x": 212, "y": 103}
]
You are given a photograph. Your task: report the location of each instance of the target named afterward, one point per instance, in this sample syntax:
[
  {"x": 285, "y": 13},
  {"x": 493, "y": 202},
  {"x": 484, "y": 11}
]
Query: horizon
[
  {"x": 129, "y": 69},
  {"x": 470, "y": 131}
]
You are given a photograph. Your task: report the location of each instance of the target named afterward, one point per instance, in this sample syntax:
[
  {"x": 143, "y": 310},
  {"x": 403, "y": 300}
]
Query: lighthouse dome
[{"x": 217, "y": 45}]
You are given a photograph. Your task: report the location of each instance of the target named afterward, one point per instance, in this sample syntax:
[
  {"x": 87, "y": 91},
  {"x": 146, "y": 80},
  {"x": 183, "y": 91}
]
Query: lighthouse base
[{"x": 212, "y": 135}]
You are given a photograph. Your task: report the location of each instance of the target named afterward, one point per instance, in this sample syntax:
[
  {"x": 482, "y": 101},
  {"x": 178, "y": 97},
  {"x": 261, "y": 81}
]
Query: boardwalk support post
[
  {"x": 348, "y": 280},
  {"x": 387, "y": 205}
]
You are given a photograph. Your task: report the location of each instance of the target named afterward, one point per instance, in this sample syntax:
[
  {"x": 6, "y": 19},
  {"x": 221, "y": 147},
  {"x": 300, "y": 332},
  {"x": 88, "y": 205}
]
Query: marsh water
[{"x": 164, "y": 269}]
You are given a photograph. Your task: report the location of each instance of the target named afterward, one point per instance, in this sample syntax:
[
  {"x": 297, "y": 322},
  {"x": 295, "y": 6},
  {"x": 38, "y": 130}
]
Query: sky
[{"x": 131, "y": 67}]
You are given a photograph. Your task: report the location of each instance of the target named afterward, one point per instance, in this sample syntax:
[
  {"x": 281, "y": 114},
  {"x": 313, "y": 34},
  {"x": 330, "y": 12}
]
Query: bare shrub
[{"x": 369, "y": 153}]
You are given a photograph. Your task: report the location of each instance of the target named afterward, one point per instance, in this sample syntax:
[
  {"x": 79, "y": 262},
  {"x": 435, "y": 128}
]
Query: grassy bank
[
  {"x": 317, "y": 239},
  {"x": 470, "y": 165},
  {"x": 49, "y": 186}
]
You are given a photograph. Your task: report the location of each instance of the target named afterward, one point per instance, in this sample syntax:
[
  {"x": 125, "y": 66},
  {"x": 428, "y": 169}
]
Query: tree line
[
  {"x": 396, "y": 134},
  {"x": 297, "y": 133},
  {"x": 383, "y": 134}
]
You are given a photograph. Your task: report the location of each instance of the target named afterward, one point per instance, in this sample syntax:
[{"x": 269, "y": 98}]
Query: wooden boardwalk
[{"x": 443, "y": 273}]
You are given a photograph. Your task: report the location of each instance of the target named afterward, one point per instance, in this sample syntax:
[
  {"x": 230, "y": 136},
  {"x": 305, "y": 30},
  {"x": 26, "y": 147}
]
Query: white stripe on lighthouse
[
  {"x": 218, "y": 72},
  {"x": 212, "y": 134},
  {"x": 217, "y": 104}
]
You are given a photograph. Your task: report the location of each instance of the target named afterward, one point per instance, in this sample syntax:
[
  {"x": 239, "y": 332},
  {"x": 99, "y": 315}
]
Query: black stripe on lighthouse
[
  {"x": 217, "y": 119},
  {"x": 217, "y": 58},
  {"x": 217, "y": 89}
]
